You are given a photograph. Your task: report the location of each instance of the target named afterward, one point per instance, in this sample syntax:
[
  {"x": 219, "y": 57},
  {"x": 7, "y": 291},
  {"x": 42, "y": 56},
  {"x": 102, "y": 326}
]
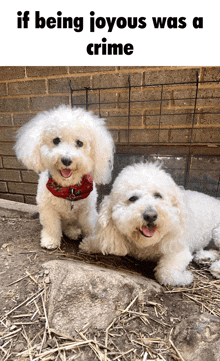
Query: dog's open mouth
[
  {"x": 66, "y": 173},
  {"x": 148, "y": 231}
]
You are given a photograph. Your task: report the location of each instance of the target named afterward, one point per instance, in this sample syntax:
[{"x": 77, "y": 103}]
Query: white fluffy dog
[
  {"x": 149, "y": 217},
  {"x": 71, "y": 148}
]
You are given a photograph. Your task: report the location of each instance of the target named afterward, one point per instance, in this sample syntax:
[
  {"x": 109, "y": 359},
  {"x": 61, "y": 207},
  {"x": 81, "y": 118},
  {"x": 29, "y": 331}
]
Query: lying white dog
[
  {"x": 71, "y": 147},
  {"x": 149, "y": 217}
]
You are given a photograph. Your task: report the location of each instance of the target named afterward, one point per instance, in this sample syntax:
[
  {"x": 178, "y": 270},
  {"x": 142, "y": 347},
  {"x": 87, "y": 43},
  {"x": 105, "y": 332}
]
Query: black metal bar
[
  {"x": 189, "y": 157},
  {"x": 99, "y": 104},
  {"x": 218, "y": 187},
  {"x": 71, "y": 93},
  {"x": 153, "y": 115},
  {"x": 87, "y": 98},
  {"x": 157, "y": 100},
  {"x": 161, "y": 102},
  {"x": 150, "y": 85},
  {"x": 129, "y": 109}
]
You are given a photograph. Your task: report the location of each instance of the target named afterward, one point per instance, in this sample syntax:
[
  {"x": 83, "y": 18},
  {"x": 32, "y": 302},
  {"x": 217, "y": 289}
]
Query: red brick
[
  {"x": 211, "y": 74},
  {"x": 5, "y": 120},
  {"x": 143, "y": 136},
  {"x": 178, "y": 136},
  {"x": 210, "y": 97},
  {"x": 10, "y": 175},
  {"x": 3, "y": 89},
  {"x": 12, "y": 163},
  {"x": 152, "y": 136},
  {"x": 106, "y": 100},
  {"x": 209, "y": 92},
  {"x": 141, "y": 68},
  {"x": 22, "y": 188},
  {"x": 12, "y": 197},
  {"x": 211, "y": 103},
  {"x": 115, "y": 80},
  {"x": 3, "y": 187},
  {"x": 142, "y": 99},
  {"x": 170, "y": 76},
  {"x": 90, "y": 69},
  {"x": 115, "y": 120},
  {"x": 61, "y": 85},
  {"x": 30, "y": 199},
  {"x": 6, "y": 148},
  {"x": 41, "y": 71},
  {"x": 175, "y": 117},
  {"x": 14, "y": 104},
  {"x": 7, "y": 135},
  {"x": 209, "y": 118},
  {"x": 20, "y": 119},
  {"x": 46, "y": 103},
  {"x": 12, "y": 72},
  {"x": 183, "y": 98},
  {"x": 79, "y": 101},
  {"x": 119, "y": 119},
  {"x": 206, "y": 135},
  {"x": 171, "y": 116},
  {"x": 29, "y": 176},
  {"x": 27, "y": 87}
]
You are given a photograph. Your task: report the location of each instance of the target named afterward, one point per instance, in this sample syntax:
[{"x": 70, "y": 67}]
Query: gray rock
[
  {"x": 84, "y": 294},
  {"x": 198, "y": 338}
]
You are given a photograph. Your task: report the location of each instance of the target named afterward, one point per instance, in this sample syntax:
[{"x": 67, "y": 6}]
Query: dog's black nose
[
  {"x": 150, "y": 216},
  {"x": 66, "y": 161}
]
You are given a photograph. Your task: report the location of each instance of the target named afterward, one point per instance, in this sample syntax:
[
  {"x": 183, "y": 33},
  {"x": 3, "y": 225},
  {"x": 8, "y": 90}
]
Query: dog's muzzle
[
  {"x": 66, "y": 161},
  {"x": 66, "y": 172},
  {"x": 150, "y": 216}
]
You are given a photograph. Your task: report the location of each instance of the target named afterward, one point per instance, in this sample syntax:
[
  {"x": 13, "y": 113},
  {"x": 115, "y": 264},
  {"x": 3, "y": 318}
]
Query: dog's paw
[
  {"x": 215, "y": 269},
  {"x": 204, "y": 256},
  {"x": 72, "y": 232},
  {"x": 173, "y": 277},
  {"x": 49, "y": 242},
  {"x": 87, "y": 245},
  {"x": 216, "y": 236}
]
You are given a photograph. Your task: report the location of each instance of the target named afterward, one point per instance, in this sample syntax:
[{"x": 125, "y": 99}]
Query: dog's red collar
[{"x": 72, "y": 193}]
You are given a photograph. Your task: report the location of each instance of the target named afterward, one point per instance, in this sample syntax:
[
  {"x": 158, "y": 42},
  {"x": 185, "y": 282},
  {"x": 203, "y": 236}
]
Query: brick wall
[{"x": 25, "y": 91}]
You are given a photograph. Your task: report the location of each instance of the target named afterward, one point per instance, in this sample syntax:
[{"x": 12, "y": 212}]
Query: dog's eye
[
  {"x": 79, "y": 143},
  {"x": 157, "y": 195},
  {"x": 133, "y": 199},
  {"x": 56, "y": 141}
]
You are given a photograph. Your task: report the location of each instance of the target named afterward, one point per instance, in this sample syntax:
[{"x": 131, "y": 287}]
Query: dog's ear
[
  {"x": 27, "y": 146},
  {"x": 176, "y": 196},
  {"x": 103, "y": 154},
  {"x": 110, "y": 240}
]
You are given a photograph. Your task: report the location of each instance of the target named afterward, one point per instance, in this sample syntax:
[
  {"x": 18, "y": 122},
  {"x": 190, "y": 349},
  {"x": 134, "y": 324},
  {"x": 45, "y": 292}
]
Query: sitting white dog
[
  {"x": 71, "y": 147},
  {"x": 149, "y": 217}
]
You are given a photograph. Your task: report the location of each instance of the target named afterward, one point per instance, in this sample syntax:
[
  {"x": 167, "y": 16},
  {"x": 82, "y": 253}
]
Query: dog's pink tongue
[
  {"x": 66, "y": 173},
  {"x": 149, "y": 232}
]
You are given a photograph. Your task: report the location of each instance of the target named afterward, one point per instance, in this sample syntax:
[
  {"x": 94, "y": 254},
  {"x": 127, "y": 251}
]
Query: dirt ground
[{"x": 142, "y": 333}]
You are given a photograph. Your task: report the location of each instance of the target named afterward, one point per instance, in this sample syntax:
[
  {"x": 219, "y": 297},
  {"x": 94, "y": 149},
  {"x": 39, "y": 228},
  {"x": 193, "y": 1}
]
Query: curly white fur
[
  {"x": 86, "y": 146},
  {"x": 148, "y": 216}
]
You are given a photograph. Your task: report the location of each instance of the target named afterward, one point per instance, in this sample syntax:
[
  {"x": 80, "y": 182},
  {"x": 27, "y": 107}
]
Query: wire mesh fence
[{"x": 177, "y": 123}]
